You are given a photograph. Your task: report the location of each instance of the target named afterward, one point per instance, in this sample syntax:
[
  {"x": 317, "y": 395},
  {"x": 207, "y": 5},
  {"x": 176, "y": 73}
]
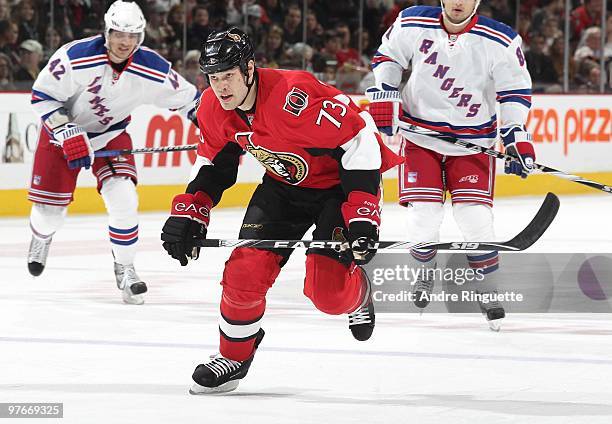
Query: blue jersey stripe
[
  {"x": 526, "y": 91},
  {"x": 421, "y": 26},
  {"x": 149, "y": 77},
  {"x": 424, "y": 11},
  {"x": 520, "y": 100},
  {"x": 490, "y": 37},
  {"x": 86, "y": 48},
  {"x": 118, "y": 126},
  {"x": 89, "y": 65},
  {"x": 454, "y": 127},
  {"x": 496, "y": 26}
]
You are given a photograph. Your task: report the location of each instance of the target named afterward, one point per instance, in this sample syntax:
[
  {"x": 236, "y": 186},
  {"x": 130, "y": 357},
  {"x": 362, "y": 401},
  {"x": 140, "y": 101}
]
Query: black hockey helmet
[{"x": 225, "y": 50}]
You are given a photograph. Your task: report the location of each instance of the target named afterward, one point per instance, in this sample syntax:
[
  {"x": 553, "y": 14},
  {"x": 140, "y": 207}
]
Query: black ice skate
[
  {"x": 422, "y": 292},
  {"x": 37, "y": 255},
  {"x": 220, "y": 374},
  {"x": 494, "y": 312},
  {"x": 362, "y": 321}
]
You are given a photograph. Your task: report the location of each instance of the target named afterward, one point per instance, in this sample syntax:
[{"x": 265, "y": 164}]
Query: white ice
[{"x": 67, "y": 337}]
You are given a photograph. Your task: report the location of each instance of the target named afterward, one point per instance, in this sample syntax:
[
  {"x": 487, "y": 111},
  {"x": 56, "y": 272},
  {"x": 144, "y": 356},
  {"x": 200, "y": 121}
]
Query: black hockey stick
[
  {"x": 490, "y": 152},
  {"x": 530, "y": 234},
  {"x": 163, "y": 149}
]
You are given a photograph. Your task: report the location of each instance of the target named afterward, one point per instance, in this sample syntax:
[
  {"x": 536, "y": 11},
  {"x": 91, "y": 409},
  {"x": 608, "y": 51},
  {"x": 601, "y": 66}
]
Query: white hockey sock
[
  {"x": 121, "y": 200},
  {"x": 45, "y": 220}
]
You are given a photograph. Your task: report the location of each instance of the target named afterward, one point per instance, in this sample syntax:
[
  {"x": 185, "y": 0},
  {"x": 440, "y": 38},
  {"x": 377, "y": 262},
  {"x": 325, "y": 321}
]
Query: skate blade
[
  {"x": 196, "y": 389},
  {"x": 495, "y": 325},
  {"x": 132, "y": 299}
]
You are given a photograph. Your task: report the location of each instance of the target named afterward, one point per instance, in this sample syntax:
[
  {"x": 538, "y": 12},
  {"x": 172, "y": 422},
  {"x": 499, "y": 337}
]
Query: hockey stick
[
  {"x": 528, "y": 236},
  {"x": 490, "y": 152},
  {"x": 165, "y": 149}
]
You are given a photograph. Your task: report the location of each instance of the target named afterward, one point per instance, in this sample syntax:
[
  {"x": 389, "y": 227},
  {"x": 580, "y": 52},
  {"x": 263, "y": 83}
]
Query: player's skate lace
[
  {"x": 422, "y": 290},
  {"x": 220, "y": 365},
  {"x": 128, "y": 281},
  {"x": 360, "y": 316},
  {"x": 37, "y": 254}
]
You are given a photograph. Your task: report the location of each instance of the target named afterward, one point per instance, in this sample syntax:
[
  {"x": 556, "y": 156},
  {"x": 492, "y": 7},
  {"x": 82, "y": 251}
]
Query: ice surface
[{"x": 67, "y": 337}]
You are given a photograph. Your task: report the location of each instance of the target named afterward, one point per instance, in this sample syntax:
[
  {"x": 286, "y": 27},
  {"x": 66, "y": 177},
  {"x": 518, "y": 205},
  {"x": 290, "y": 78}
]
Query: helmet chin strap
[
  {"x": 246, "y": 81},
  {"x": 466, "y": 20}
]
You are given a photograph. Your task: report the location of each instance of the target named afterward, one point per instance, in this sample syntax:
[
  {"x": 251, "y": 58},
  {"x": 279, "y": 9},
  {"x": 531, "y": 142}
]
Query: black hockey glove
[
  {"x": 187, "y": 223},
  {"x": 361, "y": 214},
  {"x": 362, "y": 238}
]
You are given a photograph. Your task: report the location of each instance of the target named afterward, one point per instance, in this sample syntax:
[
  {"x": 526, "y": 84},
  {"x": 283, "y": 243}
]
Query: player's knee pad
[
  {"x": 475, "y": 220},
  {"x": 423, "y": 220},
  {"x": 120, "y": 197},
  {"x": 248, "y": 275},
  {"x": 47, "y": 219},
  {"x": 331, "y": 287}
]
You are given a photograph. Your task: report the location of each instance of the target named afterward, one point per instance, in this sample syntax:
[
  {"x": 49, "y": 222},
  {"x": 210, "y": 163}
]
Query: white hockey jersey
[
  {"x": 80, "y": 79},
  {"x": 456, "y": 80}
]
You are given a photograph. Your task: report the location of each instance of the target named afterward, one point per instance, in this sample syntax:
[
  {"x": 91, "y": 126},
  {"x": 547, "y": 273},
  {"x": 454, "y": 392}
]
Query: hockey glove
[
  {"x": 361, "y": 213},
  {"x": 187, "y": 223},
  {"x": 518, "y": 144},
  {"x": 75, "y": 143},
  {"x": 385, "y": 107}
]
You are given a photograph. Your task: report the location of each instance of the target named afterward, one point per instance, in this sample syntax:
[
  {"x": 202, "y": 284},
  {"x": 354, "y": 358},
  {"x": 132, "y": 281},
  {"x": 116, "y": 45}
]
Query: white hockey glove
[
  {"x": 75, "y": 143},
  {"x": 385, "y": 107},
  {"x": 518, "y": 143}
]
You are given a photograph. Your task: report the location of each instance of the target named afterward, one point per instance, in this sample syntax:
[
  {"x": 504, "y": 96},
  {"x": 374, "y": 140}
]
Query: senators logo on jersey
[{"x": 288, "y": 166}]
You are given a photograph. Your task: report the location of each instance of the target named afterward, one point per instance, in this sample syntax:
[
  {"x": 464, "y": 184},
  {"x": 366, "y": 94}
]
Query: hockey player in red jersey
[{"x": 323, "y": 158}]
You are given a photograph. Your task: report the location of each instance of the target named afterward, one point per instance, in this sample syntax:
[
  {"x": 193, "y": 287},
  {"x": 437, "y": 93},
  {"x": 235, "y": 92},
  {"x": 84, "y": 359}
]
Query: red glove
[
  {"x": 75, "y": 143},
  {"x": 195, "y": 206},
  {"x": 361, "y": 213},
  {"x": 188, "y": 222},
  {"x": 385, "y": 108}
]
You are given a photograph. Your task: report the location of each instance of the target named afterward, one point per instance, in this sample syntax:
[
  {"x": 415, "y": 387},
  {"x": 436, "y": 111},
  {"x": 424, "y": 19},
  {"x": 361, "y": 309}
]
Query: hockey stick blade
[{"x": 527, "y": 237}]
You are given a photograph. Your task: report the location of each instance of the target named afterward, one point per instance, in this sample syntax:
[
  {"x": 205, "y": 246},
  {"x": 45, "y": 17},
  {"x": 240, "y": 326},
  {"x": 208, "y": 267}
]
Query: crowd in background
[{"x": 332, "y": 48}]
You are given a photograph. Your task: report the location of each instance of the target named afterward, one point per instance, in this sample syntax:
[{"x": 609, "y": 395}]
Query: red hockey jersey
[{"x": 301, "y": 132}]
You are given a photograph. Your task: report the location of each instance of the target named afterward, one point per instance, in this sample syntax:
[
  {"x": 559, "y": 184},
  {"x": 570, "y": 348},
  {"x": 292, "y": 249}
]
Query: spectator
[
  {"x": 502, "y": 12},
  {"x": 200, "y": 28},
  {"x": 589, "y": 47},
  {"x": 585, "y": 16},
  {"x": 30, "y": 55},
  {"x": 9, "y": 31},
  {"x": 53, "y": 40},
  {"x": 158, "y": 30},
  {"x": 314, "y": 30},
  {"x": 557, "y": 56},
  {"x": 6, "y": 73},
  {"x": 24, "y": 15},
  {"x": 550, "y": 31},
  {"x": 5, "y": 10},
  {"x": 292, "y": 26},
  {"x": 372, "y": 18},
  {"x": 273, "y": 46},
  {"x": 325, "y": 62},
  {"x": 191, "y": 70},
  {"x": 176, "y": 20},
  {"x": 273, "y": 12},
  {"x": 391, "y": 15},
  {"x": 539, "y": 64},
  {"x": 255, "y": 29}
]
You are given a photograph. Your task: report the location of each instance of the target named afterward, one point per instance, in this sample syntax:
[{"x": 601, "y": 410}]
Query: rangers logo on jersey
[{"x": 288, "y": 166}]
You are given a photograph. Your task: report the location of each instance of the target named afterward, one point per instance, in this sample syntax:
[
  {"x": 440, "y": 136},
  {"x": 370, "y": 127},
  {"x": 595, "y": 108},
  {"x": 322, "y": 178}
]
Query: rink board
[{"x": 571, "y": 133}]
